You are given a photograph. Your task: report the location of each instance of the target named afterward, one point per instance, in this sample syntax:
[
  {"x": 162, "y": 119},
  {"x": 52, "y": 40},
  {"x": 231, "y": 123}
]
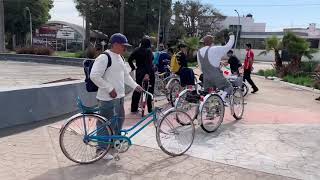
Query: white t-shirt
[
  {"x": 115, "y": 77},
  {"x": 215, "y": 53}
]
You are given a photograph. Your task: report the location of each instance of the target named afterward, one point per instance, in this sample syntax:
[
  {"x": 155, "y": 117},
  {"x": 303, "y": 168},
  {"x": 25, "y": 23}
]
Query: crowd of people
[{"x": 111, "y": 79}]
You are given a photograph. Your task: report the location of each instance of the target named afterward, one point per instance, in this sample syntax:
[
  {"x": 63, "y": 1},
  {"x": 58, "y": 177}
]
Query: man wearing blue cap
[{"x": 111, "y": 77}]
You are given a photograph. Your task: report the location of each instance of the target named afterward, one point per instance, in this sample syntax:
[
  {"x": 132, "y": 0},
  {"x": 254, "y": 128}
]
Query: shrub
[
  {"x": 35, "y": 50},
  {"x": 267, "y": 72},
  {"x": 270, "y": 72},
  {"x": 261, "y": 72},
  {"x": 44, "y": 51},
  {"x": 309, "y": 66}
]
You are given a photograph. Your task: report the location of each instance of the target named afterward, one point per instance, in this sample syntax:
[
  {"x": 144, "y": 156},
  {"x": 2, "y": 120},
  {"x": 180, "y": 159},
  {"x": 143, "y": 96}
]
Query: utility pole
[
  {"x": 159, "y": 26},
  {"x": 122, "y": 16},
  {"x": 238, "y": 29},
  {"x": 2, "y": 33}
]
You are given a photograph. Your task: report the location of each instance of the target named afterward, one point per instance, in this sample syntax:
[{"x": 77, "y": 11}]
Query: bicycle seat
[
  {"x": 162, "y": 74},
  {"x": 85, "y": 109}
]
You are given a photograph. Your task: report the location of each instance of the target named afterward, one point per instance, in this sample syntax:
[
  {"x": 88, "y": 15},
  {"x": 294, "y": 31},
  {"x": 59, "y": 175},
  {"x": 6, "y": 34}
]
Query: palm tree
[
  {"x": 274, "y": 44},
  {"x": 297, "y": 47},
  {"x": 193, "y": 44}
]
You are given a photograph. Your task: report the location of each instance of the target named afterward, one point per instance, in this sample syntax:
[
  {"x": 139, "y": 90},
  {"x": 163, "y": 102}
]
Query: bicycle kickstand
[{"x": 116, "y": 156}]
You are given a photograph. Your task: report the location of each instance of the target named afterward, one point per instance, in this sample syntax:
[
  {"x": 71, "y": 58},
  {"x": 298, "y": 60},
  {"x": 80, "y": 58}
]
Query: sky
[{"x": 277, "y": 14}]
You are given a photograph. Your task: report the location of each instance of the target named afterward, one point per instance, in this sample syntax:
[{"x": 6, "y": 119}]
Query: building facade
[
  {"x": 255, "y": 33},
  {"x": 64, "y": 36}
]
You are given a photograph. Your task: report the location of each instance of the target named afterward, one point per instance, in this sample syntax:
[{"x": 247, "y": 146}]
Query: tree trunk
[
  {"x": 294, "y": 66},
  {"x": 279, "y": 68},
  {"x": 122, "y": 17},
  {"x": 2, "y": 33},
  {"x": 278, "y": 59}
]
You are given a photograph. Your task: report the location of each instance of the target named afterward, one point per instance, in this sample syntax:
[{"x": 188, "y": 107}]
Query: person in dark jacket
[
  {"x": 234, "y": 62},
  {"x": 182, "y": 56},
  {"x": 144, "y": 71}
]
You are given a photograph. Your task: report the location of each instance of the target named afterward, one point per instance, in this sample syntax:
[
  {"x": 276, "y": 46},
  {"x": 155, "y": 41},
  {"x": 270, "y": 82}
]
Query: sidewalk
[{"x": 36, "y": 155}]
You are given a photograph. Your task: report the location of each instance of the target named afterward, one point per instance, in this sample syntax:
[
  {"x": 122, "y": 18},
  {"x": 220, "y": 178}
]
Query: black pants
[
  {"x": 136, "y": 95},
  {"x": 247, "y": 77}
]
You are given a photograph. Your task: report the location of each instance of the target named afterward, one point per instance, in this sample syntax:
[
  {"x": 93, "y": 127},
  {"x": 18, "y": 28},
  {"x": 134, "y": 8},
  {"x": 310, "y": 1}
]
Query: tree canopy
[
  {"x": 141, "y": 16},
  {"x": 17, "y": 18},
  {"x": 188, "y": 14}
]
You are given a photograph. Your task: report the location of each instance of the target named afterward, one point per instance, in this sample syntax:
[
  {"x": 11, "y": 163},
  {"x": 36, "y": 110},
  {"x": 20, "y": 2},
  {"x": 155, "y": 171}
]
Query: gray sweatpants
[{"x": 109, "y": 109}]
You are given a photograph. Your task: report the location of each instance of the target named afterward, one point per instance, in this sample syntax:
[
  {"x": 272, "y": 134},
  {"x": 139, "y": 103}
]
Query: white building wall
[{"x": 247, "y": 23}]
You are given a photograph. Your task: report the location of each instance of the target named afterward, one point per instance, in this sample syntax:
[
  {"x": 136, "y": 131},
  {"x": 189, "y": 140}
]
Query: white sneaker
[
  {"x": 108, "y": 157},
  {"x": 226, "y": 103}
]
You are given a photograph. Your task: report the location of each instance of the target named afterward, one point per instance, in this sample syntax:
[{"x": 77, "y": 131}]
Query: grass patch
[
  {"x": 69, "y": 54},
  {"x": 304, "y": 80}
]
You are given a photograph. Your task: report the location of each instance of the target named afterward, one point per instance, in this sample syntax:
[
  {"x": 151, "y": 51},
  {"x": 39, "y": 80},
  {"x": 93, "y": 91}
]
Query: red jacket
[{"x": 247, "y": 63}]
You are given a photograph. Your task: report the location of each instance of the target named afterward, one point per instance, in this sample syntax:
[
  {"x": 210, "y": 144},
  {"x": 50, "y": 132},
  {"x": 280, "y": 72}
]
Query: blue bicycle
[{"x": 87, "y": 137}]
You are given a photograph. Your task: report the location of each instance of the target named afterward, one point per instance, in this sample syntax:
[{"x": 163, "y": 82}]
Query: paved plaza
[{"x": 278, "y": 138}]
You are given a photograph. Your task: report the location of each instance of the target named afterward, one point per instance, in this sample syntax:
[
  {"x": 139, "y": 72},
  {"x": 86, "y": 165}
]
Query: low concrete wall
[
  {"x": 36, "y": 103},
  {"x": 269, "y": 57},
  {"x": 42, "y": 59}
]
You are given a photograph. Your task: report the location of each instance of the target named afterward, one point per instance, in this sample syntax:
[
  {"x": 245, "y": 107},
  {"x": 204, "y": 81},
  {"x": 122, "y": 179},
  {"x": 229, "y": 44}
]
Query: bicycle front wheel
[
  {"x": 172, "y": 137},
  {"x": 245, "y": 89},
  {"x": 174, "y": 91},
  {"x": 238, "y": 104},
  {"x": 79, "y": 148},
  {"x": 212, "y": 113}
]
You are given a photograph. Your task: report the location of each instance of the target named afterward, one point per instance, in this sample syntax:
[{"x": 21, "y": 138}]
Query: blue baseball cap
[{"x": 120, "y": 39}]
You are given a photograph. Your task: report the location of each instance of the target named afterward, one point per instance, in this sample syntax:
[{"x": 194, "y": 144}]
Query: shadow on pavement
[
  {"x": 106, "y": 169},
  {"x": 26, "y": 127}
]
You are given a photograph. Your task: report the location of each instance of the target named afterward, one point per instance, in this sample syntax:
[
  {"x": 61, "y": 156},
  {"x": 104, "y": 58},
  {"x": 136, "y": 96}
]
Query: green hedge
[{"x": 267, "y": 72}]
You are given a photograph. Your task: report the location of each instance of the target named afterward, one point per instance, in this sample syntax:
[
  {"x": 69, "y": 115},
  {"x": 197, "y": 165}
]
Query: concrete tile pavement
[{"x": 36, "y": 155}]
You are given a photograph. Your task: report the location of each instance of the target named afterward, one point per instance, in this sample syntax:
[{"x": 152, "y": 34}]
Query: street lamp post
[
  {"x": 30, "y": 21},
  {"x": 159, "y": 26},
  {"x": 238, "y": 29}
]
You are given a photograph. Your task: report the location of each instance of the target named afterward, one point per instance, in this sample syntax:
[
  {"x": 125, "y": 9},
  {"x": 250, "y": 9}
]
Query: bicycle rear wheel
[
  {"x": 212, "y": 113},
  {"x": 170, "y": 84},
  {"x": 79, "y": 148},
  {"x": 185, "y": 106},
  {"x": 159, "y": 86},
  {"x": 173, "y": 138},
  {"x": 238, "y": 104}
]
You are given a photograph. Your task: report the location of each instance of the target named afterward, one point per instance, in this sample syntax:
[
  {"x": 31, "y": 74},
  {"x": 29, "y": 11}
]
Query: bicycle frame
[{"x": 106, "y": 139}]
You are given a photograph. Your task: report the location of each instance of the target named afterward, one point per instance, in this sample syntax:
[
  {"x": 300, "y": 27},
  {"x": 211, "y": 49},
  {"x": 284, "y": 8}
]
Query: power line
[{"x": 265, "y": 5}]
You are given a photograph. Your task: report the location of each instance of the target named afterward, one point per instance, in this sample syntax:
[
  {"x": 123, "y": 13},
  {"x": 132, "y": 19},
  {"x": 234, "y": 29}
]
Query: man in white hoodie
[
  {"x": 209, "y": 58},
  {"x": 111, "y": 81}
]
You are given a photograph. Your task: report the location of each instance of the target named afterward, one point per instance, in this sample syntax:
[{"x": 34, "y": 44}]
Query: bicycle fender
[
  {"x": 170, "y": 81},
  {"x": 80, "y": 115},
  {"x": 180, "y": 94}
]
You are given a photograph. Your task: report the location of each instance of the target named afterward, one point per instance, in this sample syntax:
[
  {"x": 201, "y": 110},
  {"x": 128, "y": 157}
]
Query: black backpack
[{"x": 87, "y": 66}]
